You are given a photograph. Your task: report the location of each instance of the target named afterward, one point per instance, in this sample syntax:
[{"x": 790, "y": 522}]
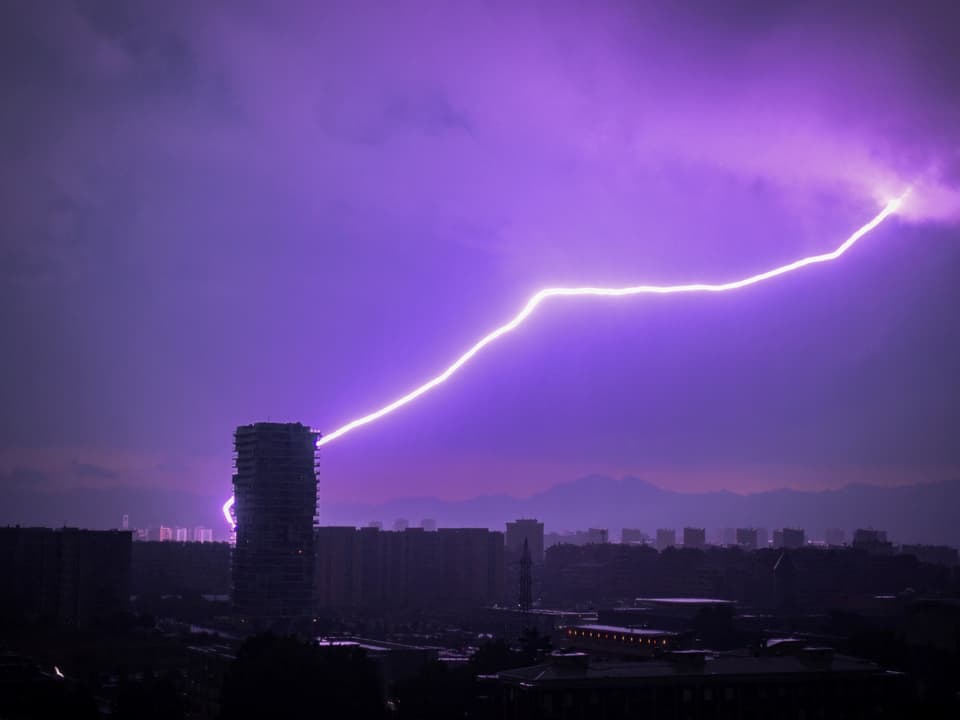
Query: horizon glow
[{"x": 891, "y": 207}]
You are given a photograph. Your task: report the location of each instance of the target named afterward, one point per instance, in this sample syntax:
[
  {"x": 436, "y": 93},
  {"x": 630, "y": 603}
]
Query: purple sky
[{"x": 224, "y": 212}]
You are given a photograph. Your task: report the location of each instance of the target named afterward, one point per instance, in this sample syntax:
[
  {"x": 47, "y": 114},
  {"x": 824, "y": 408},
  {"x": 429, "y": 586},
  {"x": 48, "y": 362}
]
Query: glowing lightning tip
[
  {"x": 895, "y": 204},
  {"x": 227, "y": 506}
]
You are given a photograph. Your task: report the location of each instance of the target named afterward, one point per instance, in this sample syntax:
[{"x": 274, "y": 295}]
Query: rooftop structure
[
  {"x": 810, "y": 682},
  {"x": 617, "y": 641}
]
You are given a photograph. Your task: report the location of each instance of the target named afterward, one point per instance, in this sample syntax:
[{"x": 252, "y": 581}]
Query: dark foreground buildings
[
  {"x": 275, "y": 488},
  {"x": 808, "y": 682},
  {"x": 66, "y": 577}
]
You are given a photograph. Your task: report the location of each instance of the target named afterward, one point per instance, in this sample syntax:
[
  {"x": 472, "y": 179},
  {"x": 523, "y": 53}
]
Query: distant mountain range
[{"x": 928, "y": 513}]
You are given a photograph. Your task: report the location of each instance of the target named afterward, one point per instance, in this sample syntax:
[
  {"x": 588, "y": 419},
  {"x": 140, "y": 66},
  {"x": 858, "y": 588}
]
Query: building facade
[
  {"x": 789, "y": 538},
  {"x": 68, "y": 577},
  {"x": 525, "y": 529},
  {"x": 597, "y": 536},
  {"x": 666, "y": 537},
  {"x": 694, "y": 538},
  {"x": 633, "y": 536},
  {"x": 370, "y": 569},
  {"x": 746, "y": 538},
  {"x": 275, "y": 490},
  {"x": 202, "y": 534}
]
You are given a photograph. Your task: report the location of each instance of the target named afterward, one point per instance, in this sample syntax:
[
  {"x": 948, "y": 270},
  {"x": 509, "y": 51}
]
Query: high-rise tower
[{"x": 275, "y": 488}]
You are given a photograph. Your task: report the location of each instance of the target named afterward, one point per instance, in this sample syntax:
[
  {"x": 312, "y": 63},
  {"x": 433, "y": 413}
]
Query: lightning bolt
[{"x": 535, "y": 301}]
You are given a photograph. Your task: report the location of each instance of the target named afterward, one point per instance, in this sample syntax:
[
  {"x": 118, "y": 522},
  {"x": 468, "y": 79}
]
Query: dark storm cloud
[
  {"x": 431, "y": 114},
  {"x": 24, "y": 478},
  {"x": 87, "y": 471}
]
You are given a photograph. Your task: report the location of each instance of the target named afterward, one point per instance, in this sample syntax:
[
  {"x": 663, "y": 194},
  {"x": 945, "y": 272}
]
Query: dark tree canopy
[
  {"x": 290, "y": 678},
  {"x": 439, "y": 692}
]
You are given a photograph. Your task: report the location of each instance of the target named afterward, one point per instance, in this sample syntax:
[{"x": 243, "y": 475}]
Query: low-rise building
[{"x": 809, "y": 682}]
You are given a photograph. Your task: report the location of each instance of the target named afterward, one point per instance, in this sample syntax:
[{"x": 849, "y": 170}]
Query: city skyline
[
  {"x": 480, "y": 360},
  {"x": 913, "y": 514}
]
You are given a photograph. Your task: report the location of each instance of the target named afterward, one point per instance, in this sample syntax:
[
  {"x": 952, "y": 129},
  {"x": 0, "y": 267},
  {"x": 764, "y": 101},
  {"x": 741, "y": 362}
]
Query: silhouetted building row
[
  {"x": 67, "y": 576},
  {"x": 809, "y": 578},
  {"x": 747, "y": 538},
  {"x": 593, "y": 536},
  {"x": 368, "y": 568},
  {"x": 164, "y": 533}
]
